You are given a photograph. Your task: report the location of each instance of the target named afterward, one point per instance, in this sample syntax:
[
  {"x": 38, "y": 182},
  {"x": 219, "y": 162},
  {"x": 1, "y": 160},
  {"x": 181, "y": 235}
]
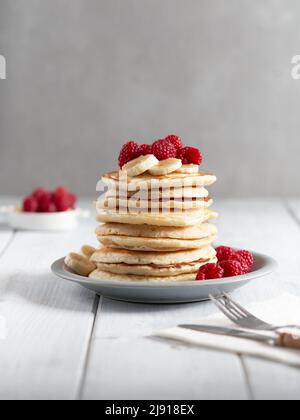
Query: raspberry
[
  {"x": 200, "y": 276},
  {"x": 175, "y": 140},
  {"x": 247, "y": 257},
  {"x": 62, "y": 202},
  {"x": 214, "y": 271},
  {"x": 44, "y": 204},
  {"x": 163, "y": 150},
  {"x": 52, "y": 208},
  {"x": 190, "y": 155},
  {"x": 40, "y": 192},
  {"x": 245, "y": 266},
  {"x": 210, "y": 272},
  {"x": 73, "y": 200},
  {"x": 128, "y": 152},
  {"x": 231, "y": 268},
  {"x": 225, "y": 253},
  {"x": 30, "y": 205},
  {"x": 144, "y": 149},
  {"x": 61, "y": 191}
]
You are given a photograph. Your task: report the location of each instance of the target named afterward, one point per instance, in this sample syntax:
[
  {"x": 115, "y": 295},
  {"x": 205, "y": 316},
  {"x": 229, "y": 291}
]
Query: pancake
[
  {"x": 181, "y": 218},
  {"x": 118, "y": 256},
  {"x": 147, "y": 231},
  {"x": 103, "y": 275},
  {"x": 153, "y": 270},
  {"x": 133, "y": 204},
  {"x": 147, "y": 181},
  {"x": 154, "y": 244},
  {"x": 169, "y": 193}
]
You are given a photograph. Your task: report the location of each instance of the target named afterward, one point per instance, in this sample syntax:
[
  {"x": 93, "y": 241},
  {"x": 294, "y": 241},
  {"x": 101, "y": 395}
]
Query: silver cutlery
[
  {"x": 244, "y": 319},
  {"x": 284, "y": 340}
]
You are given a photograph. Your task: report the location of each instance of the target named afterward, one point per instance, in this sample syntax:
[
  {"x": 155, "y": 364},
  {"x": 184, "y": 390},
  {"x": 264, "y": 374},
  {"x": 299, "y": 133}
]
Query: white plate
[
  {"x": 150, "y": 292},
  {"x": 60, "y": 221}
]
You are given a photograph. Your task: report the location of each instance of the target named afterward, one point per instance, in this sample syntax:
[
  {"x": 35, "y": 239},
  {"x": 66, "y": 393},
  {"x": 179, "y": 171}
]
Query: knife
[{"x": 274, "y": 339}]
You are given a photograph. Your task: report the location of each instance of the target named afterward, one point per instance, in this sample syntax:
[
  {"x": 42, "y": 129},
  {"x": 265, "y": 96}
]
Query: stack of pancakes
[{"x": 154, "y": 228}]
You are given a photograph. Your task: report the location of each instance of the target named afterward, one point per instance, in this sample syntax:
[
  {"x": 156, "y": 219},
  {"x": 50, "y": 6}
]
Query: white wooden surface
[{"x": 62, "y": 342}]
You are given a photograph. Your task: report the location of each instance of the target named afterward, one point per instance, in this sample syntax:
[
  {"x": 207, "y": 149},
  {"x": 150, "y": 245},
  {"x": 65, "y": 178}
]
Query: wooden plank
[
  {"x": 48, "y": 321},
  {"x": 124, "y": 364},
  {"x": 144, "y": 368},
  {"x": 271, "y": 381}
]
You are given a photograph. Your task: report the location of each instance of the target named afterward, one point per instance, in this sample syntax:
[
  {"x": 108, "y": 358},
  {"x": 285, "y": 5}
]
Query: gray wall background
[{"x": 86, "y": 75}]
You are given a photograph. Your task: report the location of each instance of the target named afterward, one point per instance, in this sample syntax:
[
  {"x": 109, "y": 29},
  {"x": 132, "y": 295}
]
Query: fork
[{"x": 244, "y": 319}]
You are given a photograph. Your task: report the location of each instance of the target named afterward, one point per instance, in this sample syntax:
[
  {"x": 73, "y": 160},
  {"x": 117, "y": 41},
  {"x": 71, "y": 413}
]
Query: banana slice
[
  {"x": 188, "y": 169},
  {"x": 166, "y": 167},
  {"x": 140, "y": 165},
  {"x": 79, "y": 264},
  {"x": 87, "y": 251}
]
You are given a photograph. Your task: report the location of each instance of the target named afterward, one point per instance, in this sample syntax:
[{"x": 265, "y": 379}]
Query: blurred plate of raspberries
[{"x": 45, "y": 210}]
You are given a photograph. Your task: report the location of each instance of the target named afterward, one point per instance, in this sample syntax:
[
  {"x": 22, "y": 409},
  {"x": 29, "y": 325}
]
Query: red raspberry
[
  {"x": 61, "y": 191},
  {"x": 190, "y": 155},
  {"x": 247, "y": 257},
  {"x": 245, "y": 267},
  {"x": 40, "y": 192},
  {"x": 144, "y": 149},
  {"x": 225, "y": 253},
  {"x": 163, "y": 150},
  {"x": 62, "y": 202},
  {"x": 200, "y": 276},
  {"x": 214, "y": 271},
  {"x": 73, "y": 200},
  {"x": 30, "y": 205},
  {"x": 175, "y": 140},
  {"x": 210, "y": 272},
  {"x": 52, "y": 208},
  {"x": 231, "y": 268},
  {"x": 128, "y": 152},
  {"x": 44, "y": 204}
]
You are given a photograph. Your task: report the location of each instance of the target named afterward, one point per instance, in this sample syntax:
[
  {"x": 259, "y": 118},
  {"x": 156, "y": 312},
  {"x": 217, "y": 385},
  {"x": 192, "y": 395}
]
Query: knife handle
[{"x": 289, "y": 341}]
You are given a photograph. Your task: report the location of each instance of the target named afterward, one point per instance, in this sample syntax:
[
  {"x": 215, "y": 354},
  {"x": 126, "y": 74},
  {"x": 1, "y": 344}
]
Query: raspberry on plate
[
  {"x": 190, "y": 155},
  {"x": 231, "y": 268},
  {"x": 200, "y": 276},
  {"x": 225, "y": 253},
  {"x": 62, "y": 202},
  {"x": 40, "y": 192},
  {"x": 175, "y": 140},
  {"x": 128, "y": 152},
  {"x": 30, "y": 205},
  {"x": 210, "y": 272},
  {"x": 163, "y": 150},
  {"x": 44, "y": 204},
  {"x": 247, "y": 257},
  {"x": 245, "y": 267}
]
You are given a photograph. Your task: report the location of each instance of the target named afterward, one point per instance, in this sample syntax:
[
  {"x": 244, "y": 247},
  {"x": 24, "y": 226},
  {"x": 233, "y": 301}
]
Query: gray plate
[{"x": 183, "y": 292}]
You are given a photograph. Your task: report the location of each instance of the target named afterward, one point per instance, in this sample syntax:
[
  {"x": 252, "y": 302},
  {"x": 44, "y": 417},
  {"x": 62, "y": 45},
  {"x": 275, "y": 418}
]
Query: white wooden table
[{"x": 63, "y": 342}]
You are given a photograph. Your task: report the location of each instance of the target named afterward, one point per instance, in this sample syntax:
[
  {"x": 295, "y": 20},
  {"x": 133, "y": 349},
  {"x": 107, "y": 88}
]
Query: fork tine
[
  {"x": 234, "y": 308},
  {"x": 238, "y": 306},
  {"x": 223, "y": 309},
  {"x": 223, "y": 301}
]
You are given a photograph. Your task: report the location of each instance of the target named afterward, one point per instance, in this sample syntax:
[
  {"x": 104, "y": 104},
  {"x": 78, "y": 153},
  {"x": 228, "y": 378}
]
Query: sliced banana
[
  {"x": 188, "y": 169},
  {"x": 166, "y": 167},
  {"x": 79, "y": 264},
  {"x": 140, "y": 165},
  {"x": 87, "y": 251}
]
